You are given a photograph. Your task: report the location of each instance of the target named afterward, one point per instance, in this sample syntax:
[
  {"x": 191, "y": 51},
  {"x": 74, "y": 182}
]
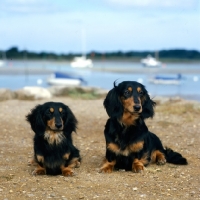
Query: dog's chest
[
  {"x": 54, "y": 137},
  {"x": 125, "y": 147},
  {"x": 129, "y": 119}
]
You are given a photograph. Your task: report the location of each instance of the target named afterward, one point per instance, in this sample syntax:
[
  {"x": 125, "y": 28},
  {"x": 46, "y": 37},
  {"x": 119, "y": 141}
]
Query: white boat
[
  {"x": 150, "y": 62},
  {"x": 159, "y": 79},
  {"x": 62, "y": 79},
  {"x": 81, "y": 62},
  {"x": 3, "y": 60},
  {"x": 2, "y": 63}
]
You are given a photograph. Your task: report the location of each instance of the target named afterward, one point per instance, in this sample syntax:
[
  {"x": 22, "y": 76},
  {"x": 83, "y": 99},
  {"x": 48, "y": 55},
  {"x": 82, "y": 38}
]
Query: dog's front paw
[
  {"x": 106, "y": 169},
  {"x": 137, "y": 166},
  {"x": 67, "y": 172},
  {"x": 39, "y": 171},
  {"x": 108, "y": 166}
]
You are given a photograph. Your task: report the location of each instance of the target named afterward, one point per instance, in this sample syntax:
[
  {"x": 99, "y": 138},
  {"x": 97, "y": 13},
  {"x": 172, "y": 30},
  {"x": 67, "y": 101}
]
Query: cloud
[
  {"x": 172, "y": 4},
  {"x": 27, "y": 6}
]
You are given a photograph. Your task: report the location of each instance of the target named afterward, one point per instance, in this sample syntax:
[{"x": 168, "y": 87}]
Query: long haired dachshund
[
  {"x": 54, "y": 152},
  {"x": 129, "y": 143}
]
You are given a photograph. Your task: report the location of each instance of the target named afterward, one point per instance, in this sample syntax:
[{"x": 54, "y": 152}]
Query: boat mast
[{"x": 83, "y": 42}]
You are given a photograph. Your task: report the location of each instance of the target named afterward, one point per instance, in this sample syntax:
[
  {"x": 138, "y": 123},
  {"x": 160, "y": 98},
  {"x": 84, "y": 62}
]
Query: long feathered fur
[
  {"x": 129, "y": 143},
  {"x": 54, "y": 152}
]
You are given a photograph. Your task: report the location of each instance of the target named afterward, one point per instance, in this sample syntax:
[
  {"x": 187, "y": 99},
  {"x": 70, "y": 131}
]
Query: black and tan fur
[
  {"x": 54, "y": 152},
  {"x": 129, "y": 143}
]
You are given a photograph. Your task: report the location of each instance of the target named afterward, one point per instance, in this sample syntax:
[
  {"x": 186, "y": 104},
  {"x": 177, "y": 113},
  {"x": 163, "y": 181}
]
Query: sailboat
[
  {"x": 82, "y": 61},
  {"x": 151, "y": 61},
  {"x": 3, "y": 60}
]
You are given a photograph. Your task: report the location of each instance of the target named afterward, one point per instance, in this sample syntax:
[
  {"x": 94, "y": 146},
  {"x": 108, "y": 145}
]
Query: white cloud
[
  {"x": 26, "y": 6},
  {"x": 186, "y": 4}
]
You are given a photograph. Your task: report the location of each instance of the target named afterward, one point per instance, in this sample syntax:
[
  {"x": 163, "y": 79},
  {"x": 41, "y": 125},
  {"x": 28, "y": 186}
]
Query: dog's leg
[
  {"x": 39, "y": 171},
  {"x": 158, "y": 157},
  {"x": 68, "y": 171},
  {"x": 108, "y": 166}
]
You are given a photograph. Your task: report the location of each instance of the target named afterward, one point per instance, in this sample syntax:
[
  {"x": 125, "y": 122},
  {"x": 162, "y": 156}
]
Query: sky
[{"x": 74, "y": 26}]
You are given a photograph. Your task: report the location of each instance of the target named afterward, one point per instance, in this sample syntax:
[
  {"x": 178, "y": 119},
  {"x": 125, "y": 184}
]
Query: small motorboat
[
  {"x": 150, "y": 62},
  {"x": 63, "y": 79},
  {"x": 160, "y": 79},
  {"x": 81, "y": 62}
]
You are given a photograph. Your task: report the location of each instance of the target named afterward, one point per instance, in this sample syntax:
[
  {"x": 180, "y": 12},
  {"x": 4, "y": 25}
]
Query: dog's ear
[
  {"x": 112, "y": 104},
  {"x": 35, "y": 120},
  {"x": 70, "y": 121},
  {"x": 148, "y": 107}
]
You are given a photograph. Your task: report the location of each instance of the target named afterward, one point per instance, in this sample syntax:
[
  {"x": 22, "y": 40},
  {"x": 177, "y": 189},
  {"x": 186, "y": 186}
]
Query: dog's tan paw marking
[
  {"x": 137, "y": 166},
  {"x": 67, "y": 172},
  {"x": 106, "y": 169},
  {"x": 107, "y": 166},
  {"x": 161, "y": 162},
  {"x": 39, "y": 171}
]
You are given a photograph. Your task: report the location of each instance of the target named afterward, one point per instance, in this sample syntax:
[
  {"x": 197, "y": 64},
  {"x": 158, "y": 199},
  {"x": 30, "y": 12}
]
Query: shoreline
[{"x": 142, "y": 70}]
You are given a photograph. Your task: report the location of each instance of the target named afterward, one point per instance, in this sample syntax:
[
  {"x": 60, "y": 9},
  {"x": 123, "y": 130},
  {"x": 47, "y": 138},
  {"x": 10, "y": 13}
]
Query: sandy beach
[{"x": 176, "y": 122}]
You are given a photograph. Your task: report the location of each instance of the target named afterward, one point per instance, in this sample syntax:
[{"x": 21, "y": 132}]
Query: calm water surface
[{"x": 189, "y": 87}]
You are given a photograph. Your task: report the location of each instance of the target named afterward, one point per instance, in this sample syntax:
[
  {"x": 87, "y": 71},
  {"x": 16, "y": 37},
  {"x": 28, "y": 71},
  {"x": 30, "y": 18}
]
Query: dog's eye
[
  {"x": 126, "y": 93},
  {"x": 141, "y": 92},
  {"x": 49, "y": 112}
]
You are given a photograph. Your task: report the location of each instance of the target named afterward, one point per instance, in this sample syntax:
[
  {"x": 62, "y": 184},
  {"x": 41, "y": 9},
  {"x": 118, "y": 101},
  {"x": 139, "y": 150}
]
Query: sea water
[{"x": 102, "y": 78}]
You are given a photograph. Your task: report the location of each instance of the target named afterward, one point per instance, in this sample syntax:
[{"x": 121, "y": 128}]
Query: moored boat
[
  {"x": 81, "y": 62},
  {"x": 150, "y": 62},
  {"x": 63, "y": 79},
  {"x": 160, "y": 79}
]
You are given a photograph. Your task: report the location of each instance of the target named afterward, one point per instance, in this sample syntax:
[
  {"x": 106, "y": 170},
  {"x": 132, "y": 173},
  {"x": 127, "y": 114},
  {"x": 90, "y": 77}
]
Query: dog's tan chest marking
[
  {"x": 129, "y": 119},
  {"x": 136, "y": 147},
  {"x": 133, "y": 148},
  {"x": 54, "y": 137}
]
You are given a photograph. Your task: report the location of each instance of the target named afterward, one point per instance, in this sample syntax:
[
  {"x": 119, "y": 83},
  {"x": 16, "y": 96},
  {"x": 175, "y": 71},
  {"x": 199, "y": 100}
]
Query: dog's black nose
[
  {"x": 58, "y": 125},
  {"x": 136, "y": 108}
]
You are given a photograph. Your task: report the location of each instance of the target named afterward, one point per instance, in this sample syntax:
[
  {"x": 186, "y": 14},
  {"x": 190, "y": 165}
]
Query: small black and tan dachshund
[
  {"x": 54, "y": 152},
  {"x": 129, "y": 143}
]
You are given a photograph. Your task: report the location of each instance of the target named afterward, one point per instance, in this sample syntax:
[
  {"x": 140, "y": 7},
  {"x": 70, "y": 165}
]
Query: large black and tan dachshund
[
  {"x": 129, "y": 143},
  {"x": 54, "y": 152}
]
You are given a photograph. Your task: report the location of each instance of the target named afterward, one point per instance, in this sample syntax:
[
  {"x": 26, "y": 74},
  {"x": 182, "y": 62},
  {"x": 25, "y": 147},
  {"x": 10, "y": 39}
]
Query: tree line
[{"x": 15, "y": 53}]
